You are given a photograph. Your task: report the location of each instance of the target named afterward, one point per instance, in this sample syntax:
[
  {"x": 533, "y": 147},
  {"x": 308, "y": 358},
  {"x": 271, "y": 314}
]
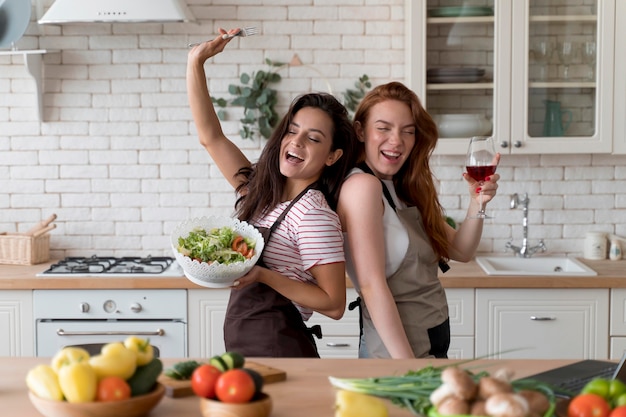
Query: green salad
[{"x": 220, "y": 245}]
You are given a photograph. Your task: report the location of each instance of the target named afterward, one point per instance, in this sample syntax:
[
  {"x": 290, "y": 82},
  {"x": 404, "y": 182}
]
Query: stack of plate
[{"x": 454, "y": 75}]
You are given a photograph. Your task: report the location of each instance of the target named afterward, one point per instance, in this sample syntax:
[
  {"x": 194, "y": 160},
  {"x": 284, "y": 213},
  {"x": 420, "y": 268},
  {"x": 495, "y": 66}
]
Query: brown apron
[
  {"x": 418, "y": 294},
  {"x": 262, "y": 322}
]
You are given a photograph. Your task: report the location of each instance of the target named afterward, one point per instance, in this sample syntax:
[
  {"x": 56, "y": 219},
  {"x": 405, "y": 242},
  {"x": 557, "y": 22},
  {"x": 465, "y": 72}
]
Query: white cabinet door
[
  {"x": 16, "y": 323},
  {"x": 619, "y": 121},
  {"x": 542, "y": 323},
  {"x": 206, "y": 312},
  {"x": 461, "y": 312}
]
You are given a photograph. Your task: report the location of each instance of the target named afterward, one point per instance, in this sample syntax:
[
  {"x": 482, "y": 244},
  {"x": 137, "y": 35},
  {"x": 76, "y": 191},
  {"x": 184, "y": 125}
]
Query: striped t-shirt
[{"x": 309, "y": 235}]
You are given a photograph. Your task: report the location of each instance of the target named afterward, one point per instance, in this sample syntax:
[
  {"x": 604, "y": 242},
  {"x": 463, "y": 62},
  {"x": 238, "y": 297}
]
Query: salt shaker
[{"x": 615, "y": 251}]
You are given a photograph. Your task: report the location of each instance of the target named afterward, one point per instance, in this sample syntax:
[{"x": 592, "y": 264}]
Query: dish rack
[{"x": 24, "y": 249}]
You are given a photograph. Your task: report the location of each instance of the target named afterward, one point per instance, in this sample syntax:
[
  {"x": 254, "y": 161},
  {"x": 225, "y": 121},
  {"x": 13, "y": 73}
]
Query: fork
[{"x": 245, "y": 31}]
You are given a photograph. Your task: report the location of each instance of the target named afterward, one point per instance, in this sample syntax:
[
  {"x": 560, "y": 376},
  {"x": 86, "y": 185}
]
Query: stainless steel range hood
[{"x": 111, "y": 11}]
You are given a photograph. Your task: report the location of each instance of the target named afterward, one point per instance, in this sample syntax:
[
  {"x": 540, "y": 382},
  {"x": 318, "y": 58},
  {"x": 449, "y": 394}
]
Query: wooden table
[{"x": 306, "y": 392}]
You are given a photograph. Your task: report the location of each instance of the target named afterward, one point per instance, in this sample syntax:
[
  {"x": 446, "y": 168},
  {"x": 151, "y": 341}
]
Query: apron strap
[{"x": 443, "y": 265}]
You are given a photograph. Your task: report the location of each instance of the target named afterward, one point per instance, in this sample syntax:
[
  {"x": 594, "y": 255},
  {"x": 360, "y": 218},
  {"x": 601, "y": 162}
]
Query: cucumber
[
  {"x": 219, "y": 363},
  {"x": 144, "y": 378},
  {"x": 258, "y": 381},
  {"x": 233, "y": 360}
]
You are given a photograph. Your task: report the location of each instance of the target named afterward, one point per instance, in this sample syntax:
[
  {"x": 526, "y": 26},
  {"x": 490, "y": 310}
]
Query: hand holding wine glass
[{"x": 480, "y": 164}]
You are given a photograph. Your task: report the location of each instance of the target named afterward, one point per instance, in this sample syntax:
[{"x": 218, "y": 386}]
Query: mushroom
[
  {"x": 507, "y": 405},
  {"x": 453, "y": 406},
  {"x": 504, "y": 374},
  {"x": 538, "y": 403},
  {"x": 488, "y": 386},
  {"x": 477, "y": 408},
  {"x": 456, "y": 383}
]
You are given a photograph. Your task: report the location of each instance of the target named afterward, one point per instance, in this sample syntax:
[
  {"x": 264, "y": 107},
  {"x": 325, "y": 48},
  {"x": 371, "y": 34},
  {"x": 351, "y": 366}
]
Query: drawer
[
  {"x": 618, "y": 312},
  {"x": 338, "y": 346}
]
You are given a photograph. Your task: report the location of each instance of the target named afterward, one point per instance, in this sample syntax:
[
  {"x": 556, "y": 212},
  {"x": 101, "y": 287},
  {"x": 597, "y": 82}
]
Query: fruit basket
[
  {"x": 24, "y": 249},
  {"x": 132, "y": 407},
  {"x": 216, "y": 274}
]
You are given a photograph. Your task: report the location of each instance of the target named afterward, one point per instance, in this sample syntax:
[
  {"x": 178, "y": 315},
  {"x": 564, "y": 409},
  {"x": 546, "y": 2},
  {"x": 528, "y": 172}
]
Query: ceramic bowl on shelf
[
  {"x": 462, "y": 125},
  {"x": 133, "y": 407},
  {"x": 215, "y": 275},
  {"x": 260, "y": 407}
]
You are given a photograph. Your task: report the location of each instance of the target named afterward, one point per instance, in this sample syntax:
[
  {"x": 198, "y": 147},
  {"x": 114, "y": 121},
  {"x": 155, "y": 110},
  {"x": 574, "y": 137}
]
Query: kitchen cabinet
[
  {"x": 462, "y": 318},
  {"x": 206, "y": 312},
  {"x": 538, "y": 103},
  {"x": 16, "y": 323},
  {"x": 542, "y": 323},
  {"x": 618, "y": 323}
]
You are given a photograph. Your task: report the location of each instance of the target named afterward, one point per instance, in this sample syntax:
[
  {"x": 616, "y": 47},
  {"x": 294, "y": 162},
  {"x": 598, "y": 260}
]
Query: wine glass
[
  {"x": 480, "y": 163},
  {"x": 541, "y": 52},
  {"x": 567, "y": 54},
  {"x": 589, "y": 57}
]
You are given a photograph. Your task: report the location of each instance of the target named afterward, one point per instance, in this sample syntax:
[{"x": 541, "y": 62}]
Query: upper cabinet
[
  {"x": 537, "y": 75},
  {"x": 619, "y": 142}
]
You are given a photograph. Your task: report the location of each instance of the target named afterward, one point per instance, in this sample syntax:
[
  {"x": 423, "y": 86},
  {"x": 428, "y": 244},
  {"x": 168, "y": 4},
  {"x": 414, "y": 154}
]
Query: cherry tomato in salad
[
  {"x": 588, "y": 405},
  {"x": 235, "y": 386},
  {"x": 618, "y": 411}
]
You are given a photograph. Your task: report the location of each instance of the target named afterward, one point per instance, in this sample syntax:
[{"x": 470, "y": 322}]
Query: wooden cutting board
[{"x": 176, "y": 389}]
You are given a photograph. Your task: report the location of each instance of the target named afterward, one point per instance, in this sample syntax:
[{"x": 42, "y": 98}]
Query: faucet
[{"x": 524, "y": 251}]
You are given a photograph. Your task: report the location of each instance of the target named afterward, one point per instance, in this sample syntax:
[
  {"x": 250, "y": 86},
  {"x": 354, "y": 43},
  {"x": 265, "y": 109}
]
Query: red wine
[{"x": 481, "y": 172}]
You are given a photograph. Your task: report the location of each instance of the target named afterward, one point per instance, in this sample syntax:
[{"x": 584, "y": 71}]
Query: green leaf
[
  {"x": 244, "y": 78},
  {"x": 246, "y": 92},
  {"x": 221, "y": 114},
  {"x": 234, "y": 89}
]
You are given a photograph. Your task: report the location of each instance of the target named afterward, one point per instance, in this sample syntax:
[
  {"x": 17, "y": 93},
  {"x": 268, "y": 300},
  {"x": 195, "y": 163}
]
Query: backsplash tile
[{"x": 117, "y": 157}]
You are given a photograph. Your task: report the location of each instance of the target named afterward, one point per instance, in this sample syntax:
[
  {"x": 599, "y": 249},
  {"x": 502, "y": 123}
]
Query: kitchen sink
[{"x": 540, "y": 265}]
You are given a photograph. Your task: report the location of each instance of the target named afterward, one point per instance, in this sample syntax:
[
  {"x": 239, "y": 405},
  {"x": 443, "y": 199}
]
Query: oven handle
[{"x": 158, "y": 332}]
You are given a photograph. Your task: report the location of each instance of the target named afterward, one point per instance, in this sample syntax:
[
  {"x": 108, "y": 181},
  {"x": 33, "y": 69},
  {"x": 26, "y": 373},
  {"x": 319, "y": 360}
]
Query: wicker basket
[{"x": 24, "y": 250}]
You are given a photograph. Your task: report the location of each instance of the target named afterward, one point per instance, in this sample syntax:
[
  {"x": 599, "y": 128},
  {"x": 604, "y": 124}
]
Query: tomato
[
  {"x": 588, "y": 405},
  {"x": 235, "y": 386},
  {"x": 112, "y": 388},
  {"x": 618, "y": 411},
  {"x": 203, "y": 380}
]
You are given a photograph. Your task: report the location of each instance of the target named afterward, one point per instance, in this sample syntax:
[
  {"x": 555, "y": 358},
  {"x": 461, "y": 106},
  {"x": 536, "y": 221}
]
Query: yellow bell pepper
[
  {"x": 142, "y": 347},
  {"x": 114, "y": 360},
  {"x": 78, "y": 382},
  {"x": 354, "y": 404},
  {"x": 69, "y": 355},
  {"x": 43, "y": 381}
]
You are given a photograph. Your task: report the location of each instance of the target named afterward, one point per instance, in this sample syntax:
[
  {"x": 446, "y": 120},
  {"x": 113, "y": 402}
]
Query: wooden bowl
[
  {"x": 261, "y": 407},
  {"x": 133, "y": 407}
]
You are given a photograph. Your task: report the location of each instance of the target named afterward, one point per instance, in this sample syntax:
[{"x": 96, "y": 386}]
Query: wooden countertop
[
  {"x": 611, "y": 274},
  {"x": 306, "y": 392}
]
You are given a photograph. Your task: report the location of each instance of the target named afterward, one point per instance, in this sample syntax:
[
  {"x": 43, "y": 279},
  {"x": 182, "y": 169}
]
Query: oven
[{"x": 92, "y": 317}]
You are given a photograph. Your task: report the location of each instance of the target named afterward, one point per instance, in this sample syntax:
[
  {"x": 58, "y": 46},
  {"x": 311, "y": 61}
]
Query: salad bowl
[{"x": 226, "y": 266}]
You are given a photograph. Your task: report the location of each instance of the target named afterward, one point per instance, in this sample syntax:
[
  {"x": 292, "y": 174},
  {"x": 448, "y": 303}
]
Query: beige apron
[{"x": 417, "y": 291}]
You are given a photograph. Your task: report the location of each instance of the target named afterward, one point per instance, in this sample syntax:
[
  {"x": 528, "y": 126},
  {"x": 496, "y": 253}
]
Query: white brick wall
[{"x": 117, "y": 159}]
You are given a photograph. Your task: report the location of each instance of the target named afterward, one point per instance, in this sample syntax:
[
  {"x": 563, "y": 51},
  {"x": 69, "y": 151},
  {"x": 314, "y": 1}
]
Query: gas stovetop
[{"x": 97, "y": 266}]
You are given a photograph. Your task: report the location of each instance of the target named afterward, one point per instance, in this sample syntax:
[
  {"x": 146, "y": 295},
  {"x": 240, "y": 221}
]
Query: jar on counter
[
  {"x": 595, "y": 245},
  {"x": 615, "y": 252}
]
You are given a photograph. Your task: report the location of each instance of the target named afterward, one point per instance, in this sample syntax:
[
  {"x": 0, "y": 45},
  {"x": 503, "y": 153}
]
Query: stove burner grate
[{"x": 111, "y": 265}]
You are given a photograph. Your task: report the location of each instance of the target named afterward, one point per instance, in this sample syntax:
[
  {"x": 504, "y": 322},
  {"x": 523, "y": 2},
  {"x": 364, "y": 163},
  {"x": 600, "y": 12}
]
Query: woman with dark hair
[
  {"x": 290, "y": 192},
  {"x": 396, "y": 231}
]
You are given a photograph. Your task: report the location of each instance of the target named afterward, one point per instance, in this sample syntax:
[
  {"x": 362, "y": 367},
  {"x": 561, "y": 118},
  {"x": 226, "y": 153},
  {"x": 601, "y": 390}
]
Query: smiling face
[
  {"x": 306, "y": 147},
  {"x": 389, "y": 137}
]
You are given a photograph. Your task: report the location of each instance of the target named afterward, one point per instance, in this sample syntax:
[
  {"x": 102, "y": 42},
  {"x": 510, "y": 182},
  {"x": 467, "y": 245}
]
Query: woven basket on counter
[{"x": 24, "y": 249}]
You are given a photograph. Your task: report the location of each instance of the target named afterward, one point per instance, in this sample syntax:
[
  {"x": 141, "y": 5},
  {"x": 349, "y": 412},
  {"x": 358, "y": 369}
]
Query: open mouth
[
  {"x": 391, "y": 155},
  {"x": 292, "y": 157}
]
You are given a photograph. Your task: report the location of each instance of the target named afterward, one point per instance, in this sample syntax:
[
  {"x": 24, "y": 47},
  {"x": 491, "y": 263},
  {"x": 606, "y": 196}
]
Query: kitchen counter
[
  {"x": 611, "y": 274},
  {"x": 306, "y": 392}
]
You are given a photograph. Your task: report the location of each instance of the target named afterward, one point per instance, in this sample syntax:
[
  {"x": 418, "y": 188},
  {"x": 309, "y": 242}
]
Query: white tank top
[{"x": 396, "y": 237}]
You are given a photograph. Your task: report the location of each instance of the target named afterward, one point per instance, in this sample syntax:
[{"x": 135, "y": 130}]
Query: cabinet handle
[
  {"x": 504, "y": 144},
  {"x": 517, "y": 144},
  {"x": 542, "y": 318},
  {"x": 335, "y": 344},
  {"x": 158, "y": 332}
]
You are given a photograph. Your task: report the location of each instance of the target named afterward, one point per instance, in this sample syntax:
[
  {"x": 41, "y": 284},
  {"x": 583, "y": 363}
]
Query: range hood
[{"x": 112, "y": 11}]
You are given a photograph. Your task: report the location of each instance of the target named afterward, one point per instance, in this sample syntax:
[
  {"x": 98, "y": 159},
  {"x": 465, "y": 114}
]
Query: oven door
[{"x": 168, "y": 337}]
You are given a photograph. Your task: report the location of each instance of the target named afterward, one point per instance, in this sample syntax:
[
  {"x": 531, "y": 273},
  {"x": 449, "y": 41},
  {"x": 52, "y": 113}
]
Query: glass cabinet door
[
  {"x": 562, "y": 56},
  {"x": 536, "y": 74}
]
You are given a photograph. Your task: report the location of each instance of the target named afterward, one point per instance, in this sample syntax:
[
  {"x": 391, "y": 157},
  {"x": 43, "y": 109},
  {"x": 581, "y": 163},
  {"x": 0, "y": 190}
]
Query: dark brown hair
[
  {"x": 414, "y": 182},
  {"x": 263, "y": 184}
]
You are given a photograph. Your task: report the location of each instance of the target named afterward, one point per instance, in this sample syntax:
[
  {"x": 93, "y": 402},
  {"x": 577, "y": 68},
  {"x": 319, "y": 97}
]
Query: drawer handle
[
  {"x": 535, "y": 318},
  {"x": 335, "y": 344}
]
